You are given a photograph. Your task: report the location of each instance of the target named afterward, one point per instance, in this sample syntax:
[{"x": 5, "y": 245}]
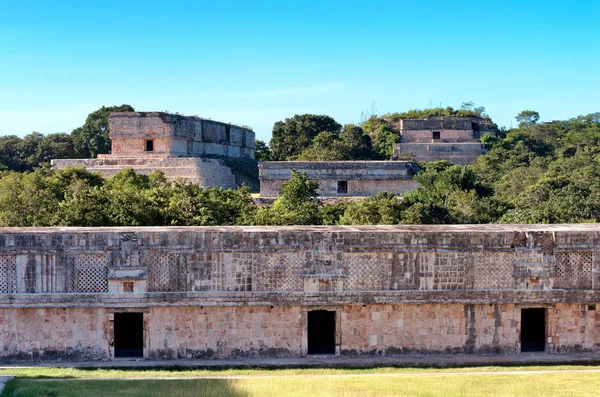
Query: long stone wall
[
  {"x": 203, "y": 171},
  {"x": 361, "y": 178},
  {"x": 223, "y": 292}
]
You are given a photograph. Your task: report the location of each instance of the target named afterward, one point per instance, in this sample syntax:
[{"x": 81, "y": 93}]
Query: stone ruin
[
  {"x": 180, "y": 146},
  {"x": 456, "y": 139},
  {"x": 224, "y": 292},
  {"x": 340, "y": 178}
]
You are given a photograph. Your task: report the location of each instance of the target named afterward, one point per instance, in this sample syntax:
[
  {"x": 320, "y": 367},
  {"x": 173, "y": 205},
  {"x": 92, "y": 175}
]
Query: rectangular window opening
[
  {"x": 321, "y": 332},
  {"x": 129, "y": 334},
  {"x": 436, "y": 134},
  {"x": 342, "y": 187},
  {"x": 533, "y": 330},
  {"x": 149, "y": 145},
  {"x": 128, "y": 286}
]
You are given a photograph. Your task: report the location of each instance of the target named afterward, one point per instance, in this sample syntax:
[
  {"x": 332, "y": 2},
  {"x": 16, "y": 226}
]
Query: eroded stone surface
[
  {"x": 226, "y": 292},
  {"x": 359, "y": 178},
  {"x": 173, "y": 144},
  {"x": 456, "y": 139}
]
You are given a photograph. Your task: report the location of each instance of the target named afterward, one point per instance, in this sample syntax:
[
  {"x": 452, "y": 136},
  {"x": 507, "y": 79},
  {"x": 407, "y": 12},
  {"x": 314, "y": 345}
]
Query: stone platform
[{"x": 206, "y": 172}]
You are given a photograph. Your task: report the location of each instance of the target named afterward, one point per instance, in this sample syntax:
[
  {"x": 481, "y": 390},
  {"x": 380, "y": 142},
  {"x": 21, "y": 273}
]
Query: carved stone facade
[
  {"x": 340, "y": 178},
  {"x": 456, "y": 139},
  {"x": 176, "y": 136},
  {"x": 173, "y": 144},
  {"x": 222, "y": 292}
]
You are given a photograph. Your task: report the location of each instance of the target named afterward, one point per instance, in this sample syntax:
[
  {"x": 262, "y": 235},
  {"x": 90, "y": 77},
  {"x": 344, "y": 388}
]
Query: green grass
[
  {"x": 176, "y": 372},
  {"x": 435, "y": 384}
]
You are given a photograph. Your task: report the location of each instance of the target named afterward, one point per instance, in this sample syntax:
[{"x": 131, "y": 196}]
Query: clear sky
[{"x": 257, "y": 62}]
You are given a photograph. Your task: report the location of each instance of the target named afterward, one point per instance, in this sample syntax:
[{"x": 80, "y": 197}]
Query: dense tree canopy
[
  {"x": 76, "y": 197},
  {"x": 292, "y": 136},
  {"x": 36, "y": 150},
  {"x": 262, "y": 152},
  {"x": 91, "y": 139},
  {"x": 539, "y": 173},
  {"x": 527, "y": 118}
]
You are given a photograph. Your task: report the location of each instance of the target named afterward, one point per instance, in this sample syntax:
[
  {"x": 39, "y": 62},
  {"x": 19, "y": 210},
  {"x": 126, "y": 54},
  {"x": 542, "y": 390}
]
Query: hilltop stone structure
[
  {"x": 340, "y": 178},
  {"x": 224, "y": 292},
  {"x": 456, "y": 139},
  {"x": 175, "y": 144}
]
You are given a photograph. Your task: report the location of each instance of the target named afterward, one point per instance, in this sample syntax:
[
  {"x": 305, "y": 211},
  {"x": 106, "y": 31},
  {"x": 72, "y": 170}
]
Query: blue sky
[{"x": 257, "y": 62}]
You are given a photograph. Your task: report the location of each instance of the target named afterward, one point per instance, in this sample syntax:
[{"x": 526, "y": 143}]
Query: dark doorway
[
  {"x": 342, "y": 186},
  {"x": 129, "y": 334},
  {"x": 321, "y": 332},
  {"x": 533, "y": 330},
  {"x": 149, "y": 145}
]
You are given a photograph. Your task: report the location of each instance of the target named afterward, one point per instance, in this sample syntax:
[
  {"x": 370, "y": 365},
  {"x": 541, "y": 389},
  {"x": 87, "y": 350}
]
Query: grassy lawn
[
  {"x": 435, "y": 384},
  {"x": 178, "y": 372}
]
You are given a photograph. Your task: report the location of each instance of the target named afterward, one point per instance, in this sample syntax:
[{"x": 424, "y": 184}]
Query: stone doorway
[
  {"x": 129, "y": 334},
  {"x": 321, "y": 332},
  {"x": 533, "y": 330}
]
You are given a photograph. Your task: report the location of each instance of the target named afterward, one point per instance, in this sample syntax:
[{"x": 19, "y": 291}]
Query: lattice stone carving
[
  {"x": 426, "y": 266},
  {"x": 367, "y": 272},
  {"x": 280, "y": 272},
  {"x": 232, "y": 272},
  {"x": 573, "y": 270},
  {"x": 404, "y": 269},
  {"x": 493, "y": 271},
  {"x": 8, "y": 274},
  {"x": 449, "y": 270},
  {"x": 167, "y": 272},
  {"x": 89, "y": 273},
  {"x": 442, "y": 270}
]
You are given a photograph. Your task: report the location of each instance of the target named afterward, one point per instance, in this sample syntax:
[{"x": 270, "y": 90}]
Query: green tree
[
  {"x": 384, "y": 140},
  {"x": 527, "y": 118},
  {"x": 297, "y": 205},
  {"x": 350, "y": 144},
  {"x": 380, "y": 209},
  {"x": 12, "y": 155},
  {"x": 292, "y": 136},
  {"x": 93, "y": 138},
  {"x": 261, "y": 151},
  {"x": 325, "y": 147},
  {"x": 356, "y": 143},
  {"x": 55, "y": 146}
]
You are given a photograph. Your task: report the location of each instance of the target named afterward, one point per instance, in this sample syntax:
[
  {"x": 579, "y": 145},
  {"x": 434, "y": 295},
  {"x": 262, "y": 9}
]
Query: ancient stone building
[
  {"x": 456, "y": 139},
  {"x": 177, "y": 145},
  {"x": 219, "y": 292},
  {"x": 340, "y": 178}
]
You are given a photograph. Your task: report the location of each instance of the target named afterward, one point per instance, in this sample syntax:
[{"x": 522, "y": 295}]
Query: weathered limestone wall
[
  {"x": 429, "y": 329},
  {"x": 462, "y": 153},
  {"x": 192, "y": 332},
  {"x": 55, "y": 334},
  {"x": 426, "y": 136},
  {"x": 439, "y": 123},
  {"x": 363, "y": 178},
  {"x": 178, "y": 144},
  {"x": 177, "y": 135},
  {"x": 205, "y": 172},
  {"x": 458, "y": 141},
  {"x": 224, "y": 332},
  {"x": 247, "y": 291},
  {"x": 328, "y": 187}
]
